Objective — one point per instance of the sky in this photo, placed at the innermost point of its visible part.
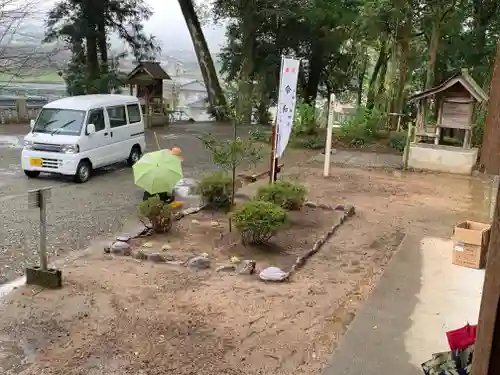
(167, 24)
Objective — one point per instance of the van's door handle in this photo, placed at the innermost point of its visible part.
(105, 133)
(111, 133)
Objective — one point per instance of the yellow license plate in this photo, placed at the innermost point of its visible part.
(34, 162)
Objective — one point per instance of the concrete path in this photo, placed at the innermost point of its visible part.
(360, 159)
(420, 297)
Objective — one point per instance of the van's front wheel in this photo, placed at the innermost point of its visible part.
(32, 174)
(135, 155)
(83, 172)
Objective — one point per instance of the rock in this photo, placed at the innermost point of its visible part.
(147, 245)
(191, 210)
(247, 267)
(141, 230)
(347, 208)
(214, 223)
(120, 248)
(140, 254)
(166, 247)
(156, 258)
(273, 274)
(226, 268)
(124, 238)
(199, 263)
(169, 258)
(194, 221)
(235, 260)
(107, 247)
(204, 255)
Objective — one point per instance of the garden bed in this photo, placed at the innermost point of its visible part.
(121, 315)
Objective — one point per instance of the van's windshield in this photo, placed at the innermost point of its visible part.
(59, 121)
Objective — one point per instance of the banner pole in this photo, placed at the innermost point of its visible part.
(274, 138)
(273, 153)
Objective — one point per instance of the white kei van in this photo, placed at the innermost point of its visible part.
(74, 135)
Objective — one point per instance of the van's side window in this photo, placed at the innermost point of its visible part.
(117, 116)
(134, 114)
(96, 117)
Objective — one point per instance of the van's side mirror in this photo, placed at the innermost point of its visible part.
(90, 129)
(32, 124)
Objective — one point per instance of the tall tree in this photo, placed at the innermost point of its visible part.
(490, 151)
(84, 25)
(215, 94)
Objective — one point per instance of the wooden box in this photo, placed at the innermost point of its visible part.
(470, 244)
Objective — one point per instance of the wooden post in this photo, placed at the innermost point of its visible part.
(329, 131)
(486, 359)
(273, 160)
(406, 151)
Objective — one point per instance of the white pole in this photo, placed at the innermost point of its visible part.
(329, 131)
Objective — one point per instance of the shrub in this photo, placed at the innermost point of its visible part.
(260, 136)
(311, 143)
(397, 140)
(304, 121)
(157, 212)
(363, 127)
(258, 221)
(287, 195)
(215, 190)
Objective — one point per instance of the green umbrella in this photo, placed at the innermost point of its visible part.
(158, 172)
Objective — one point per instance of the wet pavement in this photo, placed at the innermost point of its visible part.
(79, 213)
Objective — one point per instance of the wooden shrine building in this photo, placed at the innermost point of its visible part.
(453, 101)
(147, 81)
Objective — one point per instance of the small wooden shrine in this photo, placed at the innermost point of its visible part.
(454, 102)
(147, 81)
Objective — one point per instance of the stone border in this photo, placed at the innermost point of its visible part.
(188, 211)
(348, 211)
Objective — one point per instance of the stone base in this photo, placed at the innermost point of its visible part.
(50, 278)
(439, 158)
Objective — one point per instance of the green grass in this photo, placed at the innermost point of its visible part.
(46, 77)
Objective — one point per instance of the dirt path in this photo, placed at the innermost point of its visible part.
(118, 315)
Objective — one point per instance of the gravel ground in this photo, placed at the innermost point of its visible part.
(118, 315)
(80, 213)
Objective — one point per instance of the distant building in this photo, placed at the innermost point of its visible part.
(191, 92)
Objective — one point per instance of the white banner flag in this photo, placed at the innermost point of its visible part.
(286, 103)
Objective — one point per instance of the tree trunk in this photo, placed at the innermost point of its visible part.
(404, 72)
(247, 66)
(216, 97)
(102, 42)
(433, 51)
(381, 79)
(490, 150)
(316, 66)
(361, 81)
(486, 359)
(263, 112)
(91, 43)
(382, 58)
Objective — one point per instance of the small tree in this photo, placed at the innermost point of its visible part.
(229, 155)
